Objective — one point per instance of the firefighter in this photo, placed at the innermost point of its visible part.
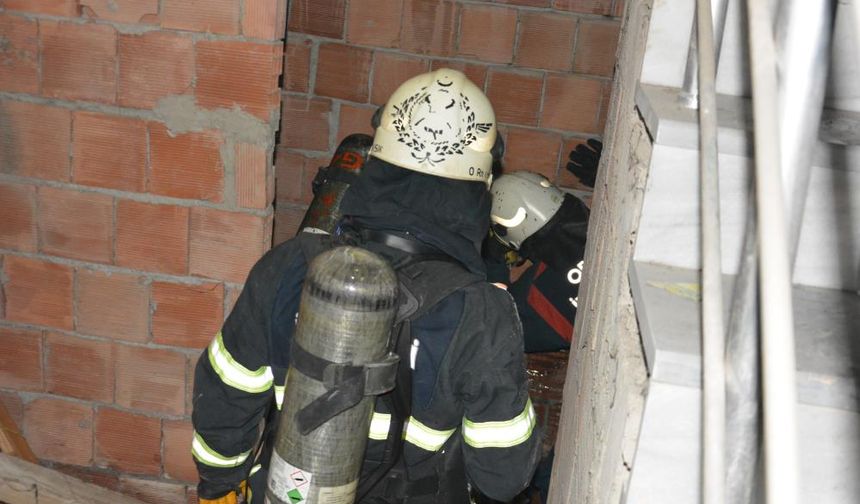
(546, 226)
(460, 414)
(542, 228)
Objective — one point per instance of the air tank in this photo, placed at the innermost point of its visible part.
(347, 308)
(331, 183)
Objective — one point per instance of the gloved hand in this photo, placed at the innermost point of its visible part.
(584, 160)
(236, 496)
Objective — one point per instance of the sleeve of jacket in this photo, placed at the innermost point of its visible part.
(234, 385)
(501, 442)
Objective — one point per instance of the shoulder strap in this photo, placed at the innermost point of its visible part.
(424, 282)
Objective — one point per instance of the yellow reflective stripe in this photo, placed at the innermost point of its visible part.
(234, 374)
(206, 455)
(424, 437)
(379, 425)
(502, 434)
(279, 395)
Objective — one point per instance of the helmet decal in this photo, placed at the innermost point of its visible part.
(436, 123)
(514, 221)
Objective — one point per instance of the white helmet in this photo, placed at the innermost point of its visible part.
(438, 123)
(522, 203)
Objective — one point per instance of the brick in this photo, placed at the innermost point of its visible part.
(78, 367)
(67, 8)
(109, 151)
(38, 292)
(21, 359)
(60, 431)
(19, 55)
(75, 224)
(515, 96)
(392, 70)
(602, 7)
(374, 22)
(13, 404)
(526, 3)
(265, 19)
(546, 41)
(595, 48)
(210, 16)
(190, 366)
(430, 27)
(224, 245)
(152, 492)
(78, 61)
(152, 66)
(354, 119)
(297, 65)
(293, 175)
(476, 25)
(127, 442)
(565, 177)
(122, 11)
(178, 463)
(305, 123)
(191, 494)
(152, 237)
(186, 165)
(112, 305)
(572, 103)
(604, 108)
(18, 225)
(186, 315)
(618, 10)
(232, 295)
(243, 74)
(287, 222)
(343, 72)
(150, 379)
(26, 125)
(317, 17)
(90, 475)
(533, 150)
(252, 176)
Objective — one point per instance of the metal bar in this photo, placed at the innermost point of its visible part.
(742, 375)
(690, 90)
(803, 44)
(713, 330)
(777, 342)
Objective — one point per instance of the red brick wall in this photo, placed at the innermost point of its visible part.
(545, 64)
(136, 180)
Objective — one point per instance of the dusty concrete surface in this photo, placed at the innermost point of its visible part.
(605, 388)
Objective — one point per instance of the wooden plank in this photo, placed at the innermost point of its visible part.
(12, 441)
(24, 483)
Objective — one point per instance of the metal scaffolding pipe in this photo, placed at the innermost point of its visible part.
(713, 330)
(777, 320)
(742, 374)
(690, 90)
(803, 35)
(803, 32)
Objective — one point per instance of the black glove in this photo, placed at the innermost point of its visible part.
(584, 160)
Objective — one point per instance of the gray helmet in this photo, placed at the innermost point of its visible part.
(523, 202)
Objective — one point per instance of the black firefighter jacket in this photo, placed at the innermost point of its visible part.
(469, 387)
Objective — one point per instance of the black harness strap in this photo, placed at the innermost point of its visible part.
(346, 384)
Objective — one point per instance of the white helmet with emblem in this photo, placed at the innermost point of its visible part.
(438, 123)
(523, 202)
